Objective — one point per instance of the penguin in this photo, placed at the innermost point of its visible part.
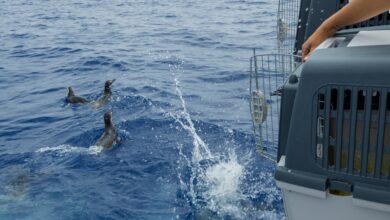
(20, 184)
(106, 94)
(109, 136)
(72, 98)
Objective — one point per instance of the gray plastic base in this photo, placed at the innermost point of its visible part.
(302, 203)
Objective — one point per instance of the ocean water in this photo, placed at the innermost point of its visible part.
(180, 104)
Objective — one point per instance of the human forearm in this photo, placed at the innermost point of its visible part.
(356, 11)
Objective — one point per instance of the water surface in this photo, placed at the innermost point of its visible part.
(180, 103)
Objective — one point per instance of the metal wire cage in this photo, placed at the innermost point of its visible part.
(268, 74)
(287, 24)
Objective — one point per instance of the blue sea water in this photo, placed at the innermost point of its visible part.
(180, 103)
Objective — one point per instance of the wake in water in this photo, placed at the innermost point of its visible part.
(64, 148)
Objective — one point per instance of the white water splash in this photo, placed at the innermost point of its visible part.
(223, 191)
(201, 150)
(218, 181)
(214, 183)
(64, 148)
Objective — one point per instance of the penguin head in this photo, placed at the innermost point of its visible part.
(108, 119)
(70, 91)
(107, 85)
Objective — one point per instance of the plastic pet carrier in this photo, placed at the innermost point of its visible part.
(326, 122)
(334, 140)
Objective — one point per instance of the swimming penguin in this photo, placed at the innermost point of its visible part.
(109, 136)
(20, 184)
(106, 94)
(15, 183)
(72, 98)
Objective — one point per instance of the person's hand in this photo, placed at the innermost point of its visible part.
(321, 34)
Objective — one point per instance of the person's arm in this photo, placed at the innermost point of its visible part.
(354, 12)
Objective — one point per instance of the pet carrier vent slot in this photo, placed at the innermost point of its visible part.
(353, 130)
